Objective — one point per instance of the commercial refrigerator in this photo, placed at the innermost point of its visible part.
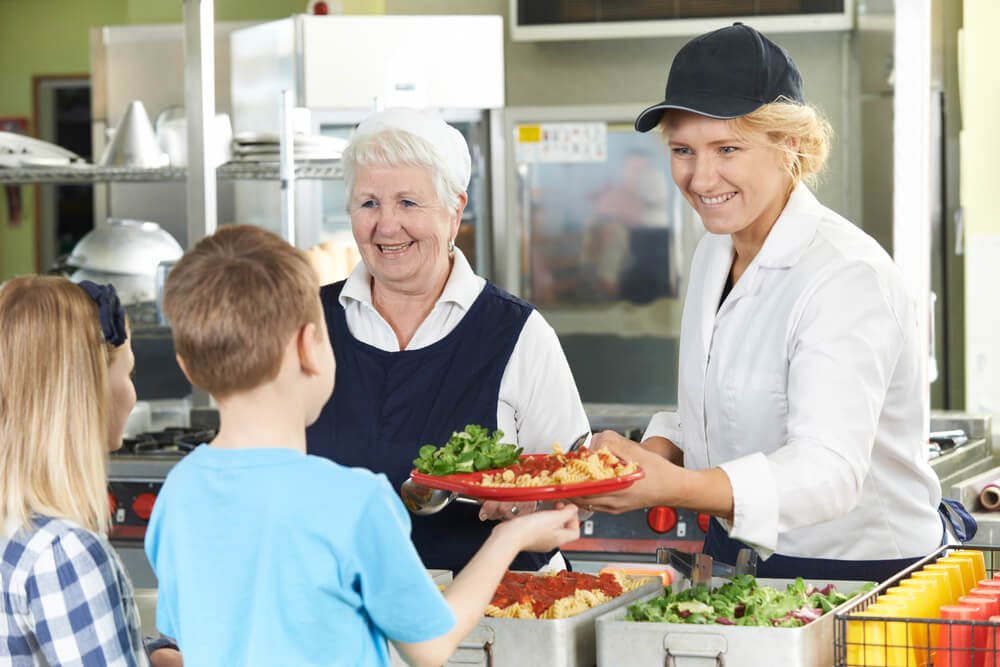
(600, 240)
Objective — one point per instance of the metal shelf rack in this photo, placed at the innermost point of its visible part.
(263, 171)
(269, 171)
(87, 174)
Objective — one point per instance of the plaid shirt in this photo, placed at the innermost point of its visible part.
(66, 600)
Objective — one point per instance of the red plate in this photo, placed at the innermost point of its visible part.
(468, 484)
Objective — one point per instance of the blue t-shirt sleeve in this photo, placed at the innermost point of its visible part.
(398, 592)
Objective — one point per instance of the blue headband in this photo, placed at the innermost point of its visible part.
(110, 310)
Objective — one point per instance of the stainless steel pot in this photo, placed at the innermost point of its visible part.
(126, 254)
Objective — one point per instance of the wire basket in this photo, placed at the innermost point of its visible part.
(867, 639)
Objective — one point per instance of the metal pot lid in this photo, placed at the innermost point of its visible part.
(132, 247)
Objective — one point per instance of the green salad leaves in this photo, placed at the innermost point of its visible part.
(471, 450)
(742, 601)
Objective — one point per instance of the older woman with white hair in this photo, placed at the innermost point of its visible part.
(423, 345)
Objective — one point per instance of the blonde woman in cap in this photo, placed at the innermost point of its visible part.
(799, 424)
(423, 345)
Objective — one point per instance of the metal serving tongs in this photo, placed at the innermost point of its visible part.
(582, 442)
(699, 568)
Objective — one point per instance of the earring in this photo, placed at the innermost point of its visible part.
(451, 246)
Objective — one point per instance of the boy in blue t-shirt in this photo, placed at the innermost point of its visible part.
(266, 555)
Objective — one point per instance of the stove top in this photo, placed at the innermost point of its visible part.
(172, 442)
(150, 456)
(136, 473)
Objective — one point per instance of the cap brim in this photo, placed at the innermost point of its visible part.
(714, 107)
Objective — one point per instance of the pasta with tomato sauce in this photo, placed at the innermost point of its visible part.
(583, 465)
(556, 595)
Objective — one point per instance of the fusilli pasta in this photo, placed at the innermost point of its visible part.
(558, 468)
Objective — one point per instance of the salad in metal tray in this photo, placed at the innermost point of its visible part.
(742, 601)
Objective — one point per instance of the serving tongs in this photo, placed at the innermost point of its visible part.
(699, 568)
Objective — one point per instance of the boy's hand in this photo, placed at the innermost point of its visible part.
(166, 657)
(542, 531)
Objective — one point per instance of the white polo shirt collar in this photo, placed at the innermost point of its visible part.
(462, 288)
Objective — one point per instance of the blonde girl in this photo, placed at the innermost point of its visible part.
(65, 392)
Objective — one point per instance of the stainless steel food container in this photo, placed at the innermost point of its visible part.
(561, 642)
(525, 642)
(441, 577)
(637, 644)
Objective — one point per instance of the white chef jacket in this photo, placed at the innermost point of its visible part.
(539, 404)
(803, 387)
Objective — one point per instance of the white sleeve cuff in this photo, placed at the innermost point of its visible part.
(665, 425)
(755, 503)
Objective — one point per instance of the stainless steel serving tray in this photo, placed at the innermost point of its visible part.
(561, 642)
(637, 644)
(441, 577)
(525, 642)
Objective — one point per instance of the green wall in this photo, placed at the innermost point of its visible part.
(170, 11)
(39, 37)
(51, 37)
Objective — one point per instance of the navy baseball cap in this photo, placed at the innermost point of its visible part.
(726, 73)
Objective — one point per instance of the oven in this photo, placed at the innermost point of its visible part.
(136, 473)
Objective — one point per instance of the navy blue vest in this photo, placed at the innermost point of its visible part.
(723, 548)
(386, 405)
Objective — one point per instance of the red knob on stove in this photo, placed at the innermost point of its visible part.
(703, 520)
(661, 519)
(143, 505)
(112, 503)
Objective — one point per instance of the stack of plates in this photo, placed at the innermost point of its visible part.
(263, 147)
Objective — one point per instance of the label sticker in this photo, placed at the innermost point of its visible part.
(561, 142)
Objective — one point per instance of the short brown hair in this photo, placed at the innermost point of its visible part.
(232, 302)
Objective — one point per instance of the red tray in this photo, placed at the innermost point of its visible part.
(467, 484)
